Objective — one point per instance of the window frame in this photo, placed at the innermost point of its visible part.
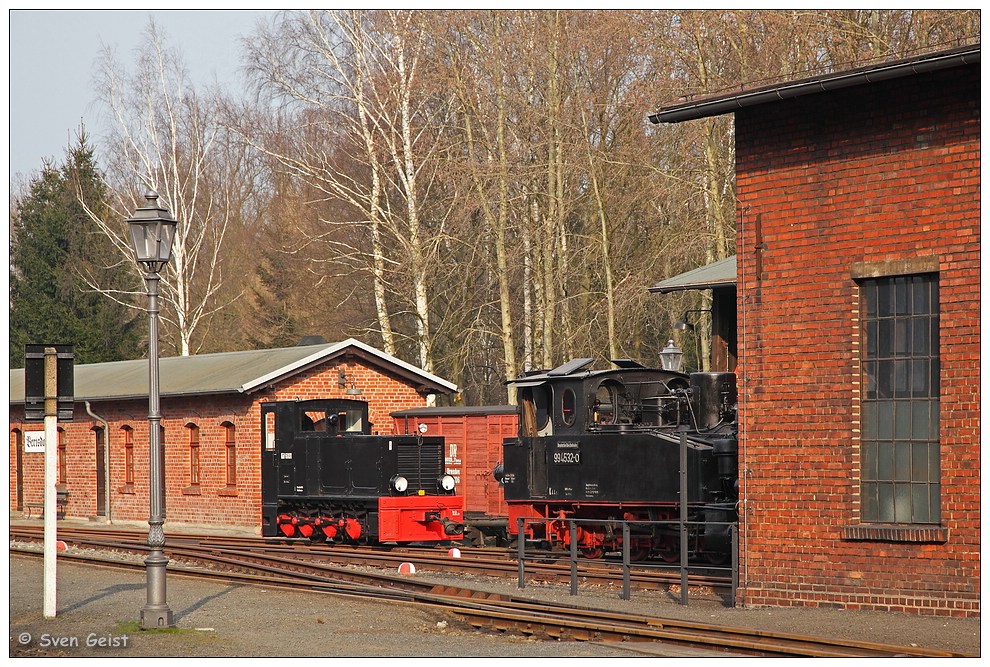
(899, 368)
(195, 472)
(127, 434)
(230, 454)
(62, 456)
(568, 406)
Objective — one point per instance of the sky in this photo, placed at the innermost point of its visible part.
(52, 63)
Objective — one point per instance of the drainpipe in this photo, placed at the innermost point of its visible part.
(106, 458)
(743, 439)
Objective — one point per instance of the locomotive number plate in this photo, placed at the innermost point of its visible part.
(286, 455)
(566, 457)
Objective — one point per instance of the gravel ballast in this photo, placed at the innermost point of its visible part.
(98, 611)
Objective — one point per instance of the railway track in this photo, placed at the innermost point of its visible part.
(473, 561)
(478, 609)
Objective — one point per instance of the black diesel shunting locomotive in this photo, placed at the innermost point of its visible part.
(604, 446)
(325, 476)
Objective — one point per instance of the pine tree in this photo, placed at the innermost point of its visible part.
(279, 325)
(53, 244)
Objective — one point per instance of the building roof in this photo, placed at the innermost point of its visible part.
(225, 372)
(715, 105)
(717, 274)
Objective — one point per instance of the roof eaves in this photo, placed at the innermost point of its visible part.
(691, 286)
(721, 104)
(134, 397)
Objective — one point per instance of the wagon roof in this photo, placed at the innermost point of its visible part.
(457, 411)
(240, 372)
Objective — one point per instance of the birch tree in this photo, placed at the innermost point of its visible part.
(165, 138)
(475, 59)
(358, 73)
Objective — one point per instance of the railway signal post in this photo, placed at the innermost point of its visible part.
(48, 397)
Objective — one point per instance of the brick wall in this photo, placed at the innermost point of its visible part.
(884, 176)
(213, 502)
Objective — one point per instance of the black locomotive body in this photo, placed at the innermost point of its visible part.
(325, 476)
(605, 446)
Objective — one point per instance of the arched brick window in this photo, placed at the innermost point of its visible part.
(19, 470)
(62, 456)
(230, 454)
(193, 431)
(127, 433)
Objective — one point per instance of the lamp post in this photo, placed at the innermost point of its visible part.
(152, 229)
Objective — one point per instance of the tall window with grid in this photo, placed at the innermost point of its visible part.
(900, 401)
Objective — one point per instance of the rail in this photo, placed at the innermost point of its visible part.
(536, 618)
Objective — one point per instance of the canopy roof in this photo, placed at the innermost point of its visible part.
(717, 274)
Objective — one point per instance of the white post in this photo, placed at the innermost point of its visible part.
(51, 477)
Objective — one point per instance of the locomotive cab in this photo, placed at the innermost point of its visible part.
(570, 400)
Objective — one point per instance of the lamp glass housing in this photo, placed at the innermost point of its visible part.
(152, 232)
(670, 357)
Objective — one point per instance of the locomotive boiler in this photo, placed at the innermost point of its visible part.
(603, 446)
(324, 476)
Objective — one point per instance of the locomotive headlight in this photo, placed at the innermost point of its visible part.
(400, 483)
(447, 483)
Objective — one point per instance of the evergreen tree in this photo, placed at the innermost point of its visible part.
(279, 326)
(53, 245)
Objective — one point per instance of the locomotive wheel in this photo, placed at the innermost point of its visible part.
(717, 558)
(593, 553)
(669, 553)
(639, 553)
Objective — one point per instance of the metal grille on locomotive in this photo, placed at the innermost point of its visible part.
(421, 464)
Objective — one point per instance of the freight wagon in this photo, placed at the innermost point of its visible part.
(473, 439)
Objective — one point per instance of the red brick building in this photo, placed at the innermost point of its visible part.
(858, 223)
(211, 419)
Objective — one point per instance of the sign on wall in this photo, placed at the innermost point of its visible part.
(34, 441)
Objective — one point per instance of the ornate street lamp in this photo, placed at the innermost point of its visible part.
(670, 357)
(152, 229)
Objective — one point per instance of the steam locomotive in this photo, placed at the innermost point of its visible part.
(604, 446)
(324, 476)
